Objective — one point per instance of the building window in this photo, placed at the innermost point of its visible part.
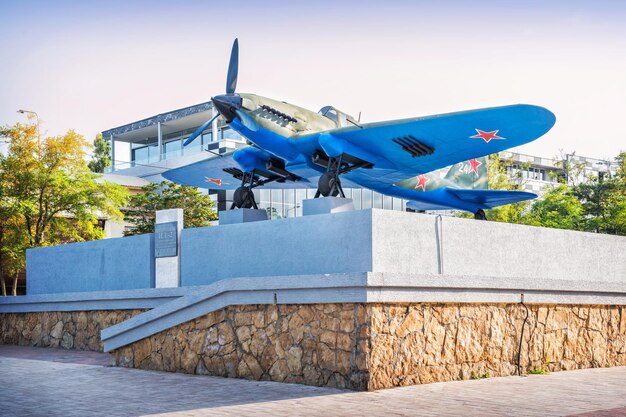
(145, 155)
(140, 155)
(356, 198)
(366, 199)
(377, 200)
(173, 149)
(300, 195)
(229, 133)
(277, 204)
(290, 203)
(387, 202)
(398, 204)
(264, 199)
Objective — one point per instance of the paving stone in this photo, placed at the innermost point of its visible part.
(73, 383)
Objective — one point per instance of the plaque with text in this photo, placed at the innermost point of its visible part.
(165, 240)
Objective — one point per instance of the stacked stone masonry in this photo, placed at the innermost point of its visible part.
(374, 346)
(78, 330)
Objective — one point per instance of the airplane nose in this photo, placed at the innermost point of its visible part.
(227, 105)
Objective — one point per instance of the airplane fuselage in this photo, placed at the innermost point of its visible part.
(276, 125)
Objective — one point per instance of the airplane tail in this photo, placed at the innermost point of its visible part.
(470, 174)
(459, 199)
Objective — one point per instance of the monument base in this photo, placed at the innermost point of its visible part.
(326, 205)
(365, 299)
(242, 215)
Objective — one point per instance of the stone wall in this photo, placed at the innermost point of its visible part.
(422, 343)
(323, 344)
(66, 329)
(373, 346)
(355, 346)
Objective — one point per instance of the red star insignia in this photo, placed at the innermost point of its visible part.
(214, 181)
(487, 136)
(421, 182)
(474, 164)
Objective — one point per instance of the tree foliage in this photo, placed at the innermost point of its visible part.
(198, 207)
(49, 196)
(558, 208)
(101, 157)
(603, 200)
(572, 172)
(575, 202)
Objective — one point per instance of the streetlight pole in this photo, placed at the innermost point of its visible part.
(295, 206)
(22, 111)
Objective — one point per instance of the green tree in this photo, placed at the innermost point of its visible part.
(579, 202)
(49, 196)
(198, 207)
(101, 157)
(603, 200)
(572, 172)
(8, 244)
(558, 208)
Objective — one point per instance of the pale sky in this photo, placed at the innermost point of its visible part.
(93, 65)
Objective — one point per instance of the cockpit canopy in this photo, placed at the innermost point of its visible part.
(340, 118)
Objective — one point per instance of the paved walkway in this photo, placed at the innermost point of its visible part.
(52, 382)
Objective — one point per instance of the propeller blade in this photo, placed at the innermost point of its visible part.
(199, 130)
(233, 69)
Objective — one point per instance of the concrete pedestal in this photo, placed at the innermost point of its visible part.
(326, 205)
(241, 216)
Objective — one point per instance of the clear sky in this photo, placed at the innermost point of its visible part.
(93, 65)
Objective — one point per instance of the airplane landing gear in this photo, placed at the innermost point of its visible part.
(329, 183)
(243, 196)
(480, 215)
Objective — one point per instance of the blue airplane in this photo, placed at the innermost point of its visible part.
(292, 147)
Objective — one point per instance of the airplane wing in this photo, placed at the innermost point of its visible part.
(222, 173)
(410, 147)
(397, 149)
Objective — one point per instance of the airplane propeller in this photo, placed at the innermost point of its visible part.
(200, 130)
(233, 69)
(228, 104)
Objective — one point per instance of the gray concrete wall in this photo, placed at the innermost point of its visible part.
(358, 241)
(103, 265)
(323, 244)
(411, 243)
(397, 242)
